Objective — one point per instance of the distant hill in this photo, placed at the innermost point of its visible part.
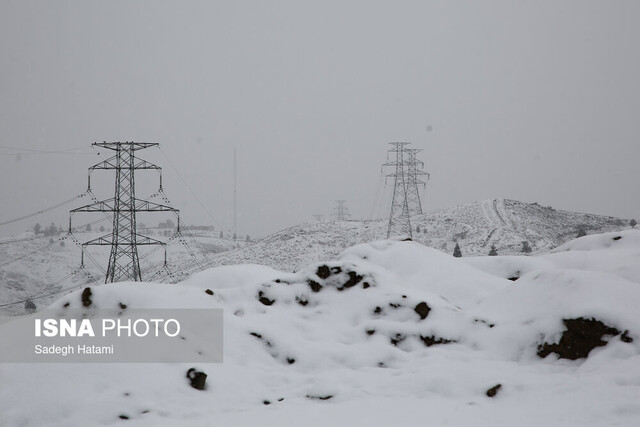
(506, 224)
(475, 226)
(31, 266)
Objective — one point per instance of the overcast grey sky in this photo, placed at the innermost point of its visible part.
(529, 100)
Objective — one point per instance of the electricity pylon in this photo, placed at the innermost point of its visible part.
(340, 212)
(414, 170)
(124, 262)
(399, 218)
(406, 197)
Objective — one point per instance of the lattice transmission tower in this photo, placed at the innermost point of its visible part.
(124, 261)
(414, 172)
(405, 201)
(340, 212)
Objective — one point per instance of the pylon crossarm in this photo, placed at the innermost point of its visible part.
(145, 240)
(110, 163)
(143, 164)
(101, 206)
(105, 240)
(133, 146)
(147, 206)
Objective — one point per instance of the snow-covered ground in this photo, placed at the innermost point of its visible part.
(36, 266)
(388, 333)
(476, 227)
(47, 266)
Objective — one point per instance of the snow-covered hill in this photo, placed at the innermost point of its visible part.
(475, 226)
(35, 266)
(386, 333)
(506, 224)
(44, 266)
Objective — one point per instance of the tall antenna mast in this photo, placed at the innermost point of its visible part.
(235, 212)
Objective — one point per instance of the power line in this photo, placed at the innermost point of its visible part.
(26, 151)
(41, 211)
(191, 191)
(21, 257)
(68, 276)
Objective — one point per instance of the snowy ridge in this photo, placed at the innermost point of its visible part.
(39, 265)
(506, 224)
(475, 226)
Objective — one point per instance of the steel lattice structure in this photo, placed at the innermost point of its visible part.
(405, 201)
(124, 262)
(414, 171)
(340, 212)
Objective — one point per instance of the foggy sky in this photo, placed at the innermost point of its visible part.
(531, 100)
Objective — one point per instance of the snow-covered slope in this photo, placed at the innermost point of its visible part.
(506, 224)
(34, 266)
(297, 247)
(386, 333)
(44, 266)
(475, 226)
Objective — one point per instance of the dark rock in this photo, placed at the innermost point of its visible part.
(123, 417)
(397, 339)
(354, 279)
(314, 397)
(209, 292)
(86, 297)
(302, 302)
(259, 336)
(625, 337)
(264, 300)
(365, 285)
(371, 331)
(581, 336)
(197, 379)
(315, 286)
(122, 306)
(432, 340)
(377, 310)
(494, 390)
(281, 399)
(617, 238)
(323, 272)
(66, 304)
(394, 305)
(422, 309)
(266, 402)
(491, 325)
(514, 278)
(336, 270)
(291, 360)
